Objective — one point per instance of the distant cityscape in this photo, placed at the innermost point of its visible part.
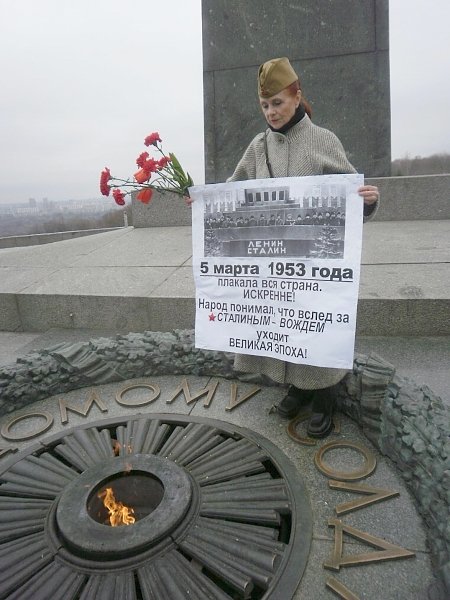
(45, 207)
(49, 216)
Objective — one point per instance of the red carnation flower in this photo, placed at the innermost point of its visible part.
(140, 161)
(145, 195)
(152, 139)
(150, 165)
(165, 170)
(162, 162)
(104, 178)
(119, 197)
(142, 176)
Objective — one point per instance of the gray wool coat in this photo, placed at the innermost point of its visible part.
(305, 149)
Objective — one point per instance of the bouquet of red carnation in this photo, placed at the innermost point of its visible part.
(168, 176)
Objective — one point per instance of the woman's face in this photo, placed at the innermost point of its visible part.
(279, 109)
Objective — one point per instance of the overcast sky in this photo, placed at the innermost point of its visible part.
(84, 81)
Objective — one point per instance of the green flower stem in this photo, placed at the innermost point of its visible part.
(171, 178)
(164, 177)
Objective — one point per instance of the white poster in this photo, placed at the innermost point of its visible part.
(276, 267)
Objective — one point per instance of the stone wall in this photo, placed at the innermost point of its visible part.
(413, 198)
(340, 50)
(165, 210)
(417, 197)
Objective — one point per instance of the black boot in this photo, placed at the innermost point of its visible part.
(293, 402)
(321, 422)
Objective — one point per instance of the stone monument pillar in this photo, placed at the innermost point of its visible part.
(339, 48)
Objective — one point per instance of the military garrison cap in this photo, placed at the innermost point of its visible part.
(275, 75)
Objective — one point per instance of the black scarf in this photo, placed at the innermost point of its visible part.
(298, 116)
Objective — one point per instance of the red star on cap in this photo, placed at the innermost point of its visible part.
(212, 317)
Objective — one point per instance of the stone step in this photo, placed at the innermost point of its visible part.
(138, 279)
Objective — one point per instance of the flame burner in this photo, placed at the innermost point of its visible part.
(220, 514)
(139, 492)
(79, 521)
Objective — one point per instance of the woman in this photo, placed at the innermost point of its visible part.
(293, 146)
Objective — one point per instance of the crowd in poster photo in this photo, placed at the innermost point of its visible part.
(227, 220)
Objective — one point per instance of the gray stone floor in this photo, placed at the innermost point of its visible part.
(142, 279)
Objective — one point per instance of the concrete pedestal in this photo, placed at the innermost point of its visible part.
(340, 51)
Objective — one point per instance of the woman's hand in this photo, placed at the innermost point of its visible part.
(188, 200)
(369, 193)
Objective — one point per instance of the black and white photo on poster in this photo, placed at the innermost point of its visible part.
(276, 267)
(272, 220)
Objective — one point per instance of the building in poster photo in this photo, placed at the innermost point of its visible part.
(271, 221)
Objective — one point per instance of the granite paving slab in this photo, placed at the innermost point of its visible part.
(102, 281)
(179, 284)
(66, 252)
(156, 246)
(405, 281)
(14, 280)
(415, 242)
